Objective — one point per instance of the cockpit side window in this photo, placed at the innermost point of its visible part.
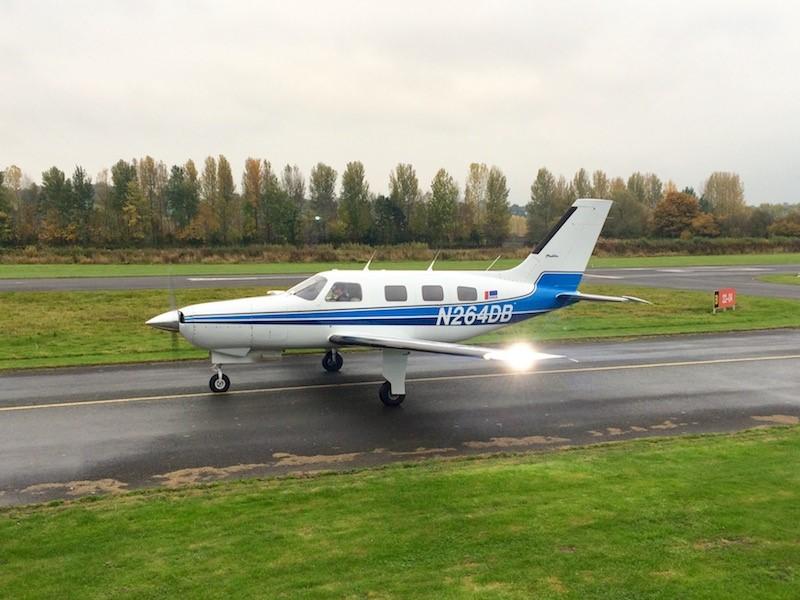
(309, 289)
(343, 291)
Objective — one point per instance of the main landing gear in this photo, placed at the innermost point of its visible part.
(219, 382)
(332, 361)
(393, 390)
(388, 398)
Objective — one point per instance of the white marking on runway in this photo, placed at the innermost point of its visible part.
(323, 386)
(603, 276)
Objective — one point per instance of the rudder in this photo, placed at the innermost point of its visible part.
(568, 246)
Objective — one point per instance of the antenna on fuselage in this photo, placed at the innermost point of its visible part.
(430, 266)
(489, 268)
(369, 262)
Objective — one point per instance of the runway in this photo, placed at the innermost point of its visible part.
(70, 432)
(743, 278)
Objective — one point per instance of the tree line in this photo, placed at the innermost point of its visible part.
(143, 203)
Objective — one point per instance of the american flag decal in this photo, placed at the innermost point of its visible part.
(489, 294)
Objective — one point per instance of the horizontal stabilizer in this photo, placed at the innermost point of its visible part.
(598, 298)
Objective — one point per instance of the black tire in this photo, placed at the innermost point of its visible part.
(388, 398)
(332, 363)
(219, 385)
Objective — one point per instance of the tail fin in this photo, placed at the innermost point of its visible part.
(569, 244)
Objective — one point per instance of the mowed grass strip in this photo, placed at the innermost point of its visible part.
(49, 329)
(28, 271)
(784, 278)
(704, 517)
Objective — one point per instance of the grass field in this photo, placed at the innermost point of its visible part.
(703, 517)
(25, 271)
(786, 278)
(48, 329)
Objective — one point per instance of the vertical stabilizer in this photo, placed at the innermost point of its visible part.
(568, 245)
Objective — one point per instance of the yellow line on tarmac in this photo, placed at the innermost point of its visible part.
(322, 386)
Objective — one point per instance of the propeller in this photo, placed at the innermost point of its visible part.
(172, 306)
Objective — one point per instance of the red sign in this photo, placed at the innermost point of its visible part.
(725, 298)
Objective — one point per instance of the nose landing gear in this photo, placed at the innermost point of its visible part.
(219, 382)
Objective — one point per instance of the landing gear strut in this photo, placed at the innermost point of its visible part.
(219, 382)
(332, 361)
(393, 390)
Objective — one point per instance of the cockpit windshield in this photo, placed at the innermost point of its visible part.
(308, 289)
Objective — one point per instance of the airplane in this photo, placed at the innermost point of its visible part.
(399, 312)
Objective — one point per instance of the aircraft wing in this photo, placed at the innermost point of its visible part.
(515, 354)
(598, 298)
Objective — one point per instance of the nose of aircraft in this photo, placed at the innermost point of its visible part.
(168, 321)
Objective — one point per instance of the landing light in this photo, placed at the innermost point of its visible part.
(519, 357)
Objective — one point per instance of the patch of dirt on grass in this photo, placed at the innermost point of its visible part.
(665, 425)
(284, 459)
(417, 452)
(511, 442)
(193, 475)
(79, 488)
(778, 419)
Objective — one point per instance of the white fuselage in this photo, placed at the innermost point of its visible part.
(446, 306)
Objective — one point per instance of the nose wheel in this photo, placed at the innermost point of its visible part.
(219, 383)
(332, 361)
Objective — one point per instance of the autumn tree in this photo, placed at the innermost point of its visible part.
(354, 209)
(582, 184)
(404, 192)
(627, 217)
(543, 209)
(498, 213)
(601, 187)
(443, 209)
(724, 194)
(322, 191)
(788, 226)
(82, 203)
(388, 220)
(674, 214)
(251, 198)
(473, 214)
(135, 211)
(228, 215)
(13, 186)
(122, 173)
(705, 225)
(6, 229)
(182, 198)
(758, 221)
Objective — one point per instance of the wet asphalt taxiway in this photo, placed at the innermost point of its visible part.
(69, 432)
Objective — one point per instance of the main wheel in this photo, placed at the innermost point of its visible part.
(332, 362)
(219, 384)
(388, 398)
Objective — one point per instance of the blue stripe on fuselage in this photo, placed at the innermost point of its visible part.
(541, 299)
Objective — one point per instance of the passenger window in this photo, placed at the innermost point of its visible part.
(395, 293)
(467, 294)
(344, 292)
(432, 293)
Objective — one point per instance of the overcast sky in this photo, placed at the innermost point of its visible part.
(676, 88)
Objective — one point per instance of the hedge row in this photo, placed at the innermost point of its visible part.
(360, 252)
